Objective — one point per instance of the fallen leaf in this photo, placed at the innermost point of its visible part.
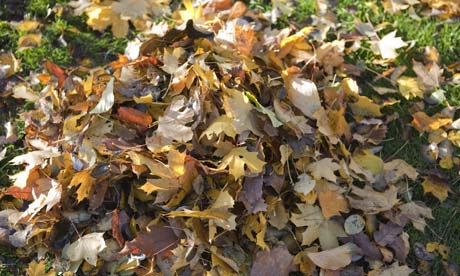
(133, 116)
(327, 231)
(387, 45)
(107, 99)
(424, 123)
(85, 248)
(387, 233)
(324, 168)
(410, 87)
(238, 158)
(303, 94)
(39, 269)
(416, 212)
(437, 187)
(372, 202)
(276, 261)
(305, 184)
(157, 239)
(336, 258)
(252, 195)
(332, 203)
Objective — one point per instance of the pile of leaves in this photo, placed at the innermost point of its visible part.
(224, 145)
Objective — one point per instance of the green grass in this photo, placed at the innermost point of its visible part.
(445, 37)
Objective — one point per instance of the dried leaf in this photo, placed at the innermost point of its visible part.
(336, 258)
(303, 94)
(324, 168)
(238, 158)
(372, 202)
(107, 99)
(85, 248)
(277, 261)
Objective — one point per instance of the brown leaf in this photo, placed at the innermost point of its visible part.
(157, 239)
(251, 195)
(276, 261)
(387, 233)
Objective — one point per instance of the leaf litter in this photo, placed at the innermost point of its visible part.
(224, 146)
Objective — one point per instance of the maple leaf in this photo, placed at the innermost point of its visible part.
(372, 202)
(332, 203)
(158, 239)
(238, 158)
(85, 183)
(39, 269)
(172, 126)
(222, 124)
(417, 213)
(49, 200)
(410, 87)
(437, 187)
(324, 168)
(102, 16)
(85, 248)
(276, 261)
(319, 227)
(238, 107)
(386, 47)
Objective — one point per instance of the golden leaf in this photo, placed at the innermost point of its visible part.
(238, 158)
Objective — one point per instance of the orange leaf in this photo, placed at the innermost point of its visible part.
(133, 116)
(332, 203)
(122, 60)
(424, 123)
(56, 71)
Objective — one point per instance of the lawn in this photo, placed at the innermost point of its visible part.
(70, 43)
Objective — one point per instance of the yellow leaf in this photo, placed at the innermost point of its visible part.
(100, 17)
(240, 157)
(8, 65)
(85, 181)
(338, 122)
(29, 41)
(256, 224)
(39, 269)
(369, 161)
(436, 187)
(365, 107)
(424, 123)
(238, 107)
(222, 124)
(409, 87)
